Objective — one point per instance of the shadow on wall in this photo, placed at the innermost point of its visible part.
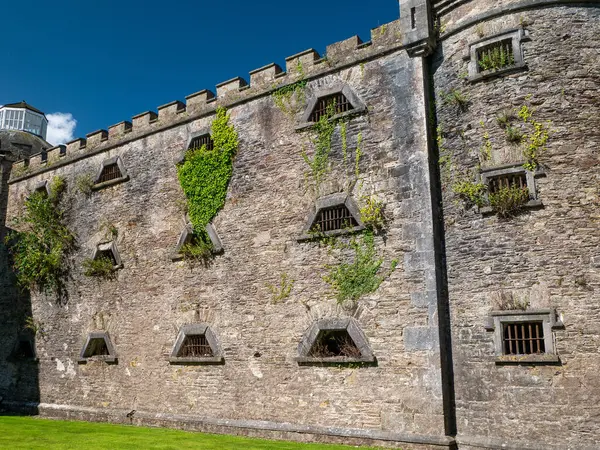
(19, 366)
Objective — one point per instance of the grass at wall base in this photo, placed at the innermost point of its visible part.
(34, 433)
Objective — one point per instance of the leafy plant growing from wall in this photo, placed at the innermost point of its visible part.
(508, 201)
(362, 273)
(40, 250)
(283, 290)
(204, 177)
(283, 96)
(102, 267)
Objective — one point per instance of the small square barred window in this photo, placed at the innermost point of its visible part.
(195, 346)
(338, 102)
(109, 172)
(336, 217)
(199, 141)
(510, 180)
(523, 338)
(96, 347)
(496, 55)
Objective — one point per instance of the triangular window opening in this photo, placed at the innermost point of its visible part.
(199, 141)
(335, 103)
(106, 254)
(333, 218)
(42, 190)
(24, 349)
(96, 347)
(195, 346)
(332, 343)
(109, 172)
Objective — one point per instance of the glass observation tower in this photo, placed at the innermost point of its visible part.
(23, 117)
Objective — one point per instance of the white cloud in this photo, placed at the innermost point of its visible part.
(61, 127)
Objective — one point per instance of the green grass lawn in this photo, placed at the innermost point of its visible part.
(36, 433)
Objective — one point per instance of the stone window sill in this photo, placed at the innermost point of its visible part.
(208, 360)
(106, 359)
(309, 237)
(308, 360)
(527, 359)
(106, 184)
(345, 115)
(486, 75)
(531, 204)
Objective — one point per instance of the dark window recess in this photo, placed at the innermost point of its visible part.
(496, 55)
(518, 180)
(110, 172)
(199, 141)
(334, 218)
(44, 156)
(25, 349)
(96, 347)
(331, 343)
(338, 102)
(42, 190)
(107, 254)
(523, 338)
(195, 346)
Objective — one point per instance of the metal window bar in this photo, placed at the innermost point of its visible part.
(339, 102)
(523, 338)
(195, 346)
(96, 347)
(334, 218)
(109, 172)
(518, 180)
(199, 141)
(493, 51)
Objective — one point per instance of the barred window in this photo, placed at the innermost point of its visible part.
(337, 217)
(195, 346)
(496, 55)
(523, 338)
(109, 172)
(509, 180)
(199, 141)
(331, 104)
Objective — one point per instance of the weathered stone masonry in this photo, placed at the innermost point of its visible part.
(436, 382)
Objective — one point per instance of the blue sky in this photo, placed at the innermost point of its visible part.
(104, 62)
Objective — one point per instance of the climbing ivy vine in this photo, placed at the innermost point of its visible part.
(40, 250)
(204, 177)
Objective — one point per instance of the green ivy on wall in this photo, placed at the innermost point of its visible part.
(39, 252)
(204, 175)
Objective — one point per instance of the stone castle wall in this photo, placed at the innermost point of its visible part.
(266, 209)
(435, 377)
(547, 256)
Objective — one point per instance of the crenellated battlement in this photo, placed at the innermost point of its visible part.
(263, 81)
